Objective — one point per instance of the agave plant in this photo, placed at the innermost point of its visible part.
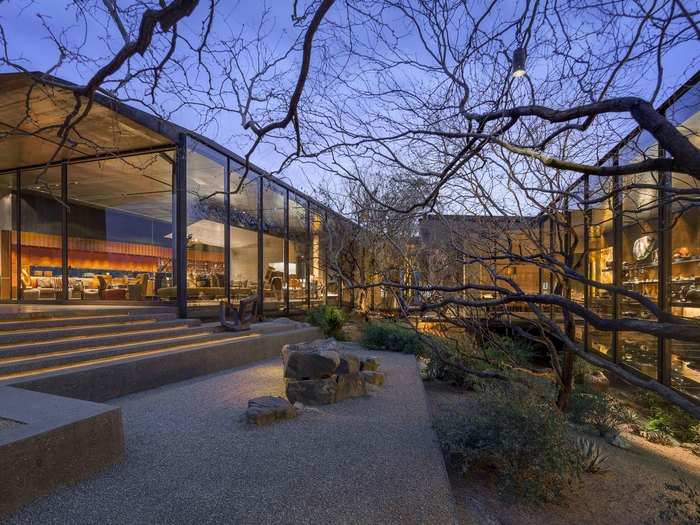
(592, 458)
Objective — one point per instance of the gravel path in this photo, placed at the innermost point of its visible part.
(190, 458)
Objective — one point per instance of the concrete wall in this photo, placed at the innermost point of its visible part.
(61, 441)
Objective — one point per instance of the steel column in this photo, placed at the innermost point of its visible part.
(286, 251)
(261, 247)
(64, 232)
(180, 226)
(227, 230)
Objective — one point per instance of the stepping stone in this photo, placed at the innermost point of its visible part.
(268, 409)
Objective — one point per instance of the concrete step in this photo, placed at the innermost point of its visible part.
(215, 342)
(106, 378)
(133, 324)
(10, 366)
(148, 333)
(26, 312)
(94, 320)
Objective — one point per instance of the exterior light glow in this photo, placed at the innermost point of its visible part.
(519, 57)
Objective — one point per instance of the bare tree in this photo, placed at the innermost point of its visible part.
(395, 94)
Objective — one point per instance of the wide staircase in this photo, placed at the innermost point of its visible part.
(44, 348)
(54, 341)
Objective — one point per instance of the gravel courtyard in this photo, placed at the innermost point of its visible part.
(191, 458)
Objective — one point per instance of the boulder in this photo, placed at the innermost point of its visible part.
(268, 409)
(350, 385)
(596, 381)
(349, 364)
(372, 377)
(312, 391)
(311, 365)
(370, 363)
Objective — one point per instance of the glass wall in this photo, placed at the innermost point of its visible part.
(318, 256)
(274, 260)
(243, 205)
(8, 237)
(104, 230)
(684, 257)
(41, 223)
(640, 255)
(298, 254)
(601, 258)
(120, 229)
(206, 219)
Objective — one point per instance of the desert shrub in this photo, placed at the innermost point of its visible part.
(667, 418)
(581, 368)
(602, 411)
(392, 337)
(516, 436)
(678, 504)
(330, 319)
(509, 351)
(592, 458)
(441, 354)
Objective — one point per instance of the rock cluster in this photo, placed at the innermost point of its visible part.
(321, 372)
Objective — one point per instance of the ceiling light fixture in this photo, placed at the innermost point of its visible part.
(519, 58)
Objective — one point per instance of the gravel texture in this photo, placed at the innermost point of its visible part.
(191, 458)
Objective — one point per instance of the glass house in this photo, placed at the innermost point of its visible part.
(132, 208)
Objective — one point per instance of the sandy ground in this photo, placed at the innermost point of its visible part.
(191, 458)
(625, 495)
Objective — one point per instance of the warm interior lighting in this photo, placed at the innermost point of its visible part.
(519, 57)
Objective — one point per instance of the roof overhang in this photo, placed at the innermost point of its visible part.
(33, 109)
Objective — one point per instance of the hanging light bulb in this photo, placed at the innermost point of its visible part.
(519, 57)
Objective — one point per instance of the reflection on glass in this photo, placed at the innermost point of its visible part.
(298, 253)
(640, 255)
(685, 251)
(318, 273)
(206, 216)
(120, 229)
(244, 233)
(274, 284)
(600, 259)
(41, 212)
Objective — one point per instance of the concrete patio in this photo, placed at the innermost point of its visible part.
(190, 458)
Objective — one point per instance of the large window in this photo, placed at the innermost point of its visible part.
(601, 258)
(8, 237)
(298, 254)
(243, 188)
(640, 255)
(120, 229)
(685, 251)
(318, 258)
(41, 251)
(274, 261)
(206, 219)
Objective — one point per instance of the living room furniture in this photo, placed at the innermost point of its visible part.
(137, 291)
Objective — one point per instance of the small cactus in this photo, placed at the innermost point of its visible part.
(592, 458)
